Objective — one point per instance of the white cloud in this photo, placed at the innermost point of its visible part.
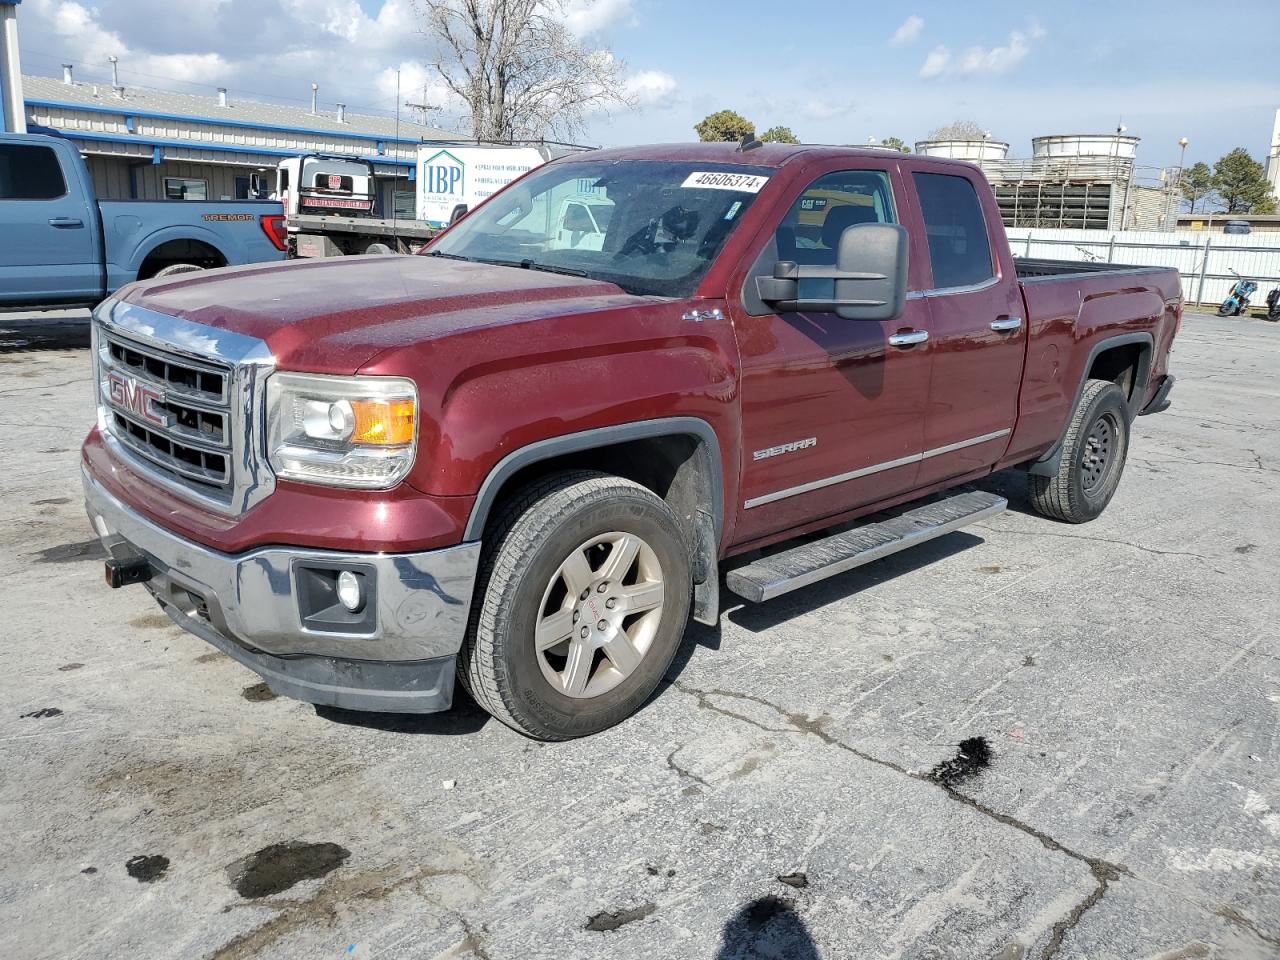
(585, 17)
(826, 109)
(651, 88)
(936, 63)
(351, 48)
(997, 59)
(909, 32)
(983, 61)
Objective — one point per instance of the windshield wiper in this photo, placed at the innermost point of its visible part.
(551, 268)
(448, 256)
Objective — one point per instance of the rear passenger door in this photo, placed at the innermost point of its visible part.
(50, 250)
(977, 330)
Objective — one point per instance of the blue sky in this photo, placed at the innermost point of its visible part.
(832, 71)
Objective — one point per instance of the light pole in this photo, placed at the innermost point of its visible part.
(1182, 156)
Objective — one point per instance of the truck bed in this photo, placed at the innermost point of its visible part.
(1031, 269)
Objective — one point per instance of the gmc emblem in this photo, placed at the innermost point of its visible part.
(129, 394)
(335, 182)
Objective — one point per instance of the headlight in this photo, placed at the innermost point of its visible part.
(341, 431)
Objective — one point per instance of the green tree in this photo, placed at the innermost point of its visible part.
(779, 135)
(1241, 184)
(1197, 185)
(895, 143)
(724, 125)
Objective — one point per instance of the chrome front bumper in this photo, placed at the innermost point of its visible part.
(247, 605)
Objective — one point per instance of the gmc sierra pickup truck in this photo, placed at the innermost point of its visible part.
(61, 246)
(523, 458)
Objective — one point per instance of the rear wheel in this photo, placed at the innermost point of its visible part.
(582, 600)
(1092, 457)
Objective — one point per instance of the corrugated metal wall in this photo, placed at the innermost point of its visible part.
(1254, 257)
(111, 178)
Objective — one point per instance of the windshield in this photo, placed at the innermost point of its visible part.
(651, 227)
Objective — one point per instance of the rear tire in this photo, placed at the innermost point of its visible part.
(581, 602)
(176, 268)
(1091, 460)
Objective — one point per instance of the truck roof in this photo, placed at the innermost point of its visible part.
(766, 155)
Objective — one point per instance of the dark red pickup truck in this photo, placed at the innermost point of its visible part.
(524, 455)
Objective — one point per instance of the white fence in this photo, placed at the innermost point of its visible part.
(1204, 260)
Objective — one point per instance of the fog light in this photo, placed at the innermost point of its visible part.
(350, 593)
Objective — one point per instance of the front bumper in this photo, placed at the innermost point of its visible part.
(248, 606)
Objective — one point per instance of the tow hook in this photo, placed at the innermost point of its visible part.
(121, 573)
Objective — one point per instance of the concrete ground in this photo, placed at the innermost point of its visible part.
(157, 802)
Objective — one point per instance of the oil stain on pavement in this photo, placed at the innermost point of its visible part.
(608, 920)
(277, 867)
(972, 757)
(147, 868)
(73, 552)
(258, 693)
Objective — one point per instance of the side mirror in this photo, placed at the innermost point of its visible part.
(459, 212)
(869, 278)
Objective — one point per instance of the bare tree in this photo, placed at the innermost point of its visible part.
(517, 68)
(960, 130)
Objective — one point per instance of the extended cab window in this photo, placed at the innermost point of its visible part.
(30, 173)
(650, 226)
(810, 232)
(959, 249)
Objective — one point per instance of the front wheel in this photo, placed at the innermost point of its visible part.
(1091, 460)
(582, 600)
(1224, 309)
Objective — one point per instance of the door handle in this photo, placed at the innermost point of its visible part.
(908, 338)
(65, 222)
(1005, 324)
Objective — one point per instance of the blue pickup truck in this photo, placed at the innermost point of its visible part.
(61, 246)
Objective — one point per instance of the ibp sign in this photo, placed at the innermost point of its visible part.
(466, 175)
(442, 184)
(445, 177)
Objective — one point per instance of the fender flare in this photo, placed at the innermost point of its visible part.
(1047, 463)
(551, 447)
(148, 244)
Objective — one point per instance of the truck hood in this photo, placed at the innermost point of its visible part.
(334, 316)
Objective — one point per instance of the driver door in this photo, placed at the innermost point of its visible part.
(833, 409)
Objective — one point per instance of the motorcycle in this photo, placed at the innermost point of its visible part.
(1273, 304)
(1237, 301)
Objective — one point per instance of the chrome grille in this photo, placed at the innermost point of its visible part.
(180, 400)
(171, 411)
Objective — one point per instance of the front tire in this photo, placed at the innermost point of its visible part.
(1092, 457)
(581, 603)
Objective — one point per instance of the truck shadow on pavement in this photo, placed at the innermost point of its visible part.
(758, 618)
(462, 719)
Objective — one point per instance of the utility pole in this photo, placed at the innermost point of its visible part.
(1182, 156)
(12, 109)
